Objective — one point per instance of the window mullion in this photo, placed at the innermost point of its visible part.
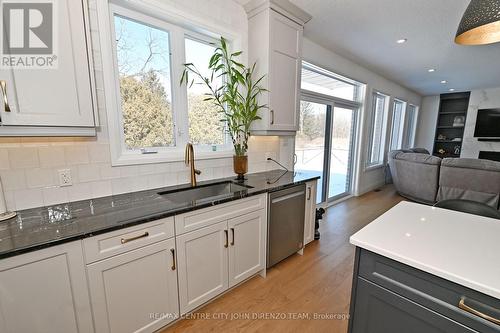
(179, 103)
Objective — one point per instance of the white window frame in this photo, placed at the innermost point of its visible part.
(401, 124)
(177, 34)
(319, 70)
(409, 140)
(381, 160)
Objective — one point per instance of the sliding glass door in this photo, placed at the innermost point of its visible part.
(341, 153)
(310, 140)
(324, 145)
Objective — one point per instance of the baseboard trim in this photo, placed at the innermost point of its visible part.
(370, 188)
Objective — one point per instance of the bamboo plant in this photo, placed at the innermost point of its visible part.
(236, 97)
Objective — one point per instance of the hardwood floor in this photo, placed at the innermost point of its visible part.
(319, 282)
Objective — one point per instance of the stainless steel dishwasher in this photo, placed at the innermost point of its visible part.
(285, 228)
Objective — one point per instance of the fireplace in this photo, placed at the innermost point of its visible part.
(490, 155)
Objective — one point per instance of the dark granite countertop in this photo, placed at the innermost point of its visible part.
(42, 227)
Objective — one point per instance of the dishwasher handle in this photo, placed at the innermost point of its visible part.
(288, 196)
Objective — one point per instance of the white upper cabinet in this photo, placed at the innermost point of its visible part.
(59, 96)
(275, 43)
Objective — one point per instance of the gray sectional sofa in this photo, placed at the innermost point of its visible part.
(428, 179)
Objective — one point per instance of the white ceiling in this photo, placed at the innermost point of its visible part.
(366, 31)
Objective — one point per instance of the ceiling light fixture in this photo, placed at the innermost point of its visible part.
(402, 40)
(480, 24)
(432, 70)
(444, 82)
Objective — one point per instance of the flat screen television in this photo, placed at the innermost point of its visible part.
(488, 124)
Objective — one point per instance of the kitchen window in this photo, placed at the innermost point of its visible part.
(153, 116)
(144, 76)
(377, 130)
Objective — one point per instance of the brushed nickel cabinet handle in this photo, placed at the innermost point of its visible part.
(232, 234)
(126, 240)
(308, 193)
(3, 85)
(227, 238)
(172, 251)
(272, 117)
(467, 308)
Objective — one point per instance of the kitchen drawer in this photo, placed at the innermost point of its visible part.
(204, 217)
(112, 243)
(430, 291)
(379, 310)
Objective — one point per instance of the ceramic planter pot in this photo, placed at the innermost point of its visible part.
(240, 166)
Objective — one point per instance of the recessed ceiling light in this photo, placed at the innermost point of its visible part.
(431, 70)
(444, 82)
(451, 89)
(402, 40)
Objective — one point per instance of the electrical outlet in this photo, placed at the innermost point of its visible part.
(65, 177)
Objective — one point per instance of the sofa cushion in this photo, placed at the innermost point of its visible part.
(470, 179)
(415, 175)
(420, 151)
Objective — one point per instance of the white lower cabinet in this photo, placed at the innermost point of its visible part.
(310, 218)
(247, 246)
(137, 279)
(202, 261)
(45, 292)
(135, 291)
(215, 258)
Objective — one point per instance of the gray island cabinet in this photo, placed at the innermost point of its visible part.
(408, 276)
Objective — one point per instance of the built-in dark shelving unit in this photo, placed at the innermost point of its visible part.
(452, 107)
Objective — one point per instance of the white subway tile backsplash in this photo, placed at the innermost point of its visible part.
(129, 171)
(183, 177)
(55, 195)
(148, 169)
(79, 191)
(99, 153)
(10, 200)
(76, 154)
(13, 179)
(23, 157)
(4, 159)
(101, 189)
(109, 172)
(156, 181)
(52, 156)
(40, 178)
(28, 198)
(88, 173)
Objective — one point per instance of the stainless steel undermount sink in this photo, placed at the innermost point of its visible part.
(203, 192)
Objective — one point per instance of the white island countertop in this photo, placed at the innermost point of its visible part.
(455, 246)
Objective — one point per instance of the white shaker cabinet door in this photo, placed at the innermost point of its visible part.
(135, 291)
(284, 72)
(60, 96)
(202, 262)
(45, 291)
(247, 246)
